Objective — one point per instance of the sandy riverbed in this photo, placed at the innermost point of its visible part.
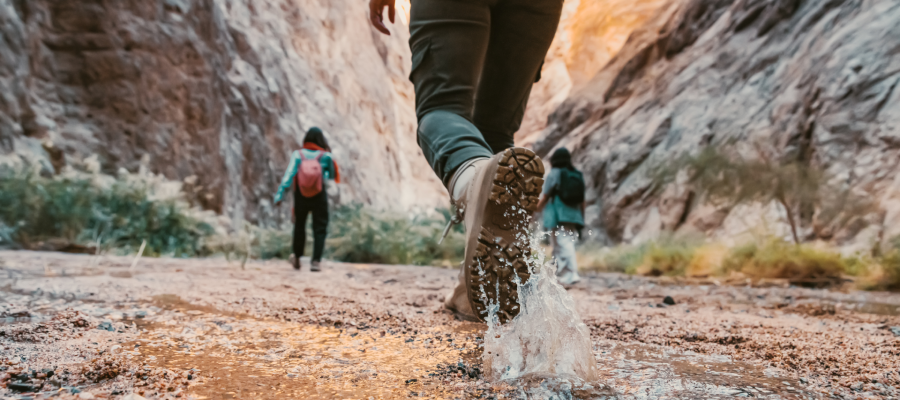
(81, 327)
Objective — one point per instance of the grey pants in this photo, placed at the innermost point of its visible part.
(474, 63)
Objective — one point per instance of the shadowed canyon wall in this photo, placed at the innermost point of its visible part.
(220, 90)
(814, 80)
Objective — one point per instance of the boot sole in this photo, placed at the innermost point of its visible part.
(503, 243)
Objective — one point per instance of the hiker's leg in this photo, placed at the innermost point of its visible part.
(301, 210)
(564, 252)
(320, 225)
(449, 40)
(556, 249)
(521, 34)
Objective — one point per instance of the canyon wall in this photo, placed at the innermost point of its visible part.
(590, 33)
(217, 91)
(814, 81)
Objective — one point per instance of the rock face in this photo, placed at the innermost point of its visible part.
(590, 33)
(815, 81)
(218, 89)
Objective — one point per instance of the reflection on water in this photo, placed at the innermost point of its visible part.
(247, 358)
(648, 372)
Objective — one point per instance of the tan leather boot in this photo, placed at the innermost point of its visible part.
(496, 207)
(458, 301)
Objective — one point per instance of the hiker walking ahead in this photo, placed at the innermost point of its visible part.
(308, 170)
(563, 205)
(473, 65)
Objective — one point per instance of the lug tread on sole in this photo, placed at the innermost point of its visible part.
(517, 185)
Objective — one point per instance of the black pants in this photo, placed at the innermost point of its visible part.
(303, 206)
(473, 65)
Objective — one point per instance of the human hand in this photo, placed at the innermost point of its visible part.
(376, 14)
(277, 203)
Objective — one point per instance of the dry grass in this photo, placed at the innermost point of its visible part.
(772, 259)
(802, 265)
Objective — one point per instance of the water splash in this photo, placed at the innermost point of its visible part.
(547, 340)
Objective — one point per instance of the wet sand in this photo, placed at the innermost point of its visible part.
(208, 329)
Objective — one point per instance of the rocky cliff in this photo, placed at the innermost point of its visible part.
(217, 91)
(813, 80)
(590, 33)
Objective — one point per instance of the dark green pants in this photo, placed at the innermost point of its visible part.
(474, 62)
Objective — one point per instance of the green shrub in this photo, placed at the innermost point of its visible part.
(80, 209)
(357, 234)
(890, 276)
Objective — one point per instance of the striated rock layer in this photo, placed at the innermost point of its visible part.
(218, 89)
(813, 80)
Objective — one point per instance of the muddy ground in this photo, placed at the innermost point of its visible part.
(92, 327)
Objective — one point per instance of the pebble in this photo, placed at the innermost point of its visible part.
(669, 301)
(21, 387)
(106, 325)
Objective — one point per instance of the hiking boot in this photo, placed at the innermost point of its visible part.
(458, 301)
(496, 205)
(315, 266)
(295, 262)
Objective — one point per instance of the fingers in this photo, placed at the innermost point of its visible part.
(376, 8)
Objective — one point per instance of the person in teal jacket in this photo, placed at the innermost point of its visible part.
(314, 145)
(564, 220)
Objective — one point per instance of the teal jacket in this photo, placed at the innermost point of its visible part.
(329, 171)
(557, 212)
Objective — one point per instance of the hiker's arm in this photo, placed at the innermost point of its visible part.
(549, 185)
(329, 169)
(288, 177)
(376, 14)
(543, 203)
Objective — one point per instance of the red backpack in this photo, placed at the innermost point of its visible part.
(309, 177)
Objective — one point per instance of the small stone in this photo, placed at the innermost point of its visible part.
(106, 325)
(413, 380)
(21, 387)
(86, 396)
(669, 301)
(895, 330)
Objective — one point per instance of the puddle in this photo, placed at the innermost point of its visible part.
(17, 320)
(271, 359)
(175, 302)
(645, 372)
(871, 308)
(248, 358)
(121, 274)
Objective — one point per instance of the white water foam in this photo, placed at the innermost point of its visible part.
(547, 340)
